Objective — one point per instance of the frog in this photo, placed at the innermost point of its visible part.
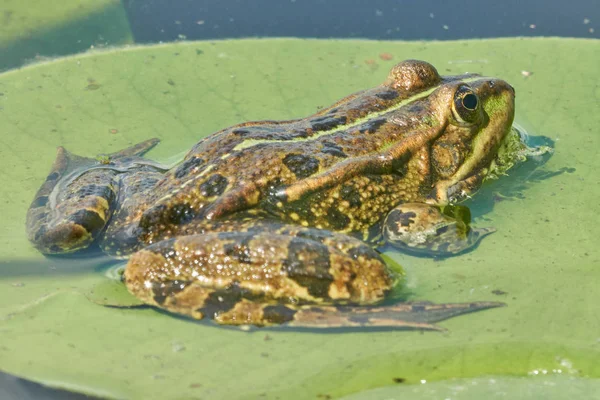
(279, 222)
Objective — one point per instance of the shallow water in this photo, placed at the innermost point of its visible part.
(543, 261)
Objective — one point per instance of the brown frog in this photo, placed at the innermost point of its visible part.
(273, 222)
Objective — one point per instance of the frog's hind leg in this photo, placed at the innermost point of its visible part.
(300, 276)
(76, 200)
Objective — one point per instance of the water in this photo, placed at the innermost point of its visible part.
(543, 261)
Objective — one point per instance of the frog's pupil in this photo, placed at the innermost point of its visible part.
(470, 101)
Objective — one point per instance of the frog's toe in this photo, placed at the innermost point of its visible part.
(137, 150)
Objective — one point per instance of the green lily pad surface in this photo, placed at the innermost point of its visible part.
(543, 262)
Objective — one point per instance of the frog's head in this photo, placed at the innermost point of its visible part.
(467, 118)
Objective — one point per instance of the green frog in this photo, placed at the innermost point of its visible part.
(274, 222)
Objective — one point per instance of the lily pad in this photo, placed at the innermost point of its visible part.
(38, 29)
(549, 387)
(542, 262)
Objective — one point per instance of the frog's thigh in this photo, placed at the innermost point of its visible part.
(256, 278)
(425, 229)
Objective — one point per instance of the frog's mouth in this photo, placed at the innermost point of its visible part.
(512, 151)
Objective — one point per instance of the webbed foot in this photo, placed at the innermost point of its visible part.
(421, 315)
(76, 200)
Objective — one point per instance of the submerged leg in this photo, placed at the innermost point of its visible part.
(300, 276)
(432, 230)
(74, 203)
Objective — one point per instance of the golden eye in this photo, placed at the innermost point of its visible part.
(465, 107)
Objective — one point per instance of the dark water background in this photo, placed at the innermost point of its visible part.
(165, 20)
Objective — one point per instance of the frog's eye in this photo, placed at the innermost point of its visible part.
(466, 105)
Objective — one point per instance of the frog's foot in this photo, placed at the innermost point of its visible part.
(431, 230)
(74, 203)
(420, 315)
(300, 276)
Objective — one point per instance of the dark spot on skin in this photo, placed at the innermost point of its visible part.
(399, 380)
(152, 217)
(103, 191)
(238, 251)
(165, 289)
(265, 133)
(240, 132)
(399, 165)
(308, 264)
(224, 299)
(418, 107)
(180, 214)
(301, 165)
(336, 219)
(52, 176)
(365, 252)
(278, 136)
(387, 95)
(351, 195)
(273, 186)
(214, 186)
(187, 166)
(372, 126)
(278, 314)
(326, 123)
(90, 220)
(333, 149)
(442, 230)
(40, 201)
(296, 133)
(404, 218)
(499, 292)
(418, 308)
(318, 235)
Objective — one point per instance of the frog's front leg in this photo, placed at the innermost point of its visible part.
(301, 276)
(426, 229)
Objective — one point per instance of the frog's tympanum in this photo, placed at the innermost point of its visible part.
(275, 222)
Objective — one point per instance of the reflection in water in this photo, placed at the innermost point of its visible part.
(88, 261)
